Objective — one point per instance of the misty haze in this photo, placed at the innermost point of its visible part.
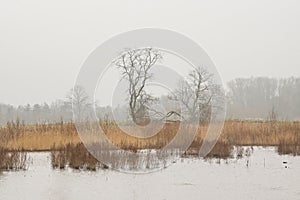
(149, 100)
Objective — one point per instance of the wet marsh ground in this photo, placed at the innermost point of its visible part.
(259, 176)
(45, 137)
(66, 149)
(251, 160)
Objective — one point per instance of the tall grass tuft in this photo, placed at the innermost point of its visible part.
(12, 160)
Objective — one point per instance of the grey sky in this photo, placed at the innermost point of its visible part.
(42, 45)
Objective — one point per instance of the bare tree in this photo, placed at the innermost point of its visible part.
(196, 94)
(79, 100)
(272, 115)
(135, 65)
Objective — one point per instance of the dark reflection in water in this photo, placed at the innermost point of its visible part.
(77, 157)
(287, 149)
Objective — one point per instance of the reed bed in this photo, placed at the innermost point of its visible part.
(221, 150)
(261, 133)
(284, 135)
(14, 160)
(39, 137)
(77, 157)
(48, 137)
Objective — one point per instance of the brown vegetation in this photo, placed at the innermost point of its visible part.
(74, 156)
(259, 133)
(12, 160)
(45, 137)
(67, 149)
(38, 137)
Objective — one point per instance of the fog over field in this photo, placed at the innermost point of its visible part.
(148, 99)
(253, 98)
(43, 45)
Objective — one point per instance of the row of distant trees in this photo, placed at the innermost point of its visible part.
(195, 95)
(60, 110)
(265, 98)
(199, 97)
(34, 113)
(247, 98)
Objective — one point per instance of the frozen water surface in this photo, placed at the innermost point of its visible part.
(266, 177)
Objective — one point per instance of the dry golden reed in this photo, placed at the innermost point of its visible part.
(45, 137)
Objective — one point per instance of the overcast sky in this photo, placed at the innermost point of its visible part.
(42, 45)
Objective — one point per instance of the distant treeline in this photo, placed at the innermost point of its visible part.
(60, 110)
(265, 98)
(36, 113)
(248, 98)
